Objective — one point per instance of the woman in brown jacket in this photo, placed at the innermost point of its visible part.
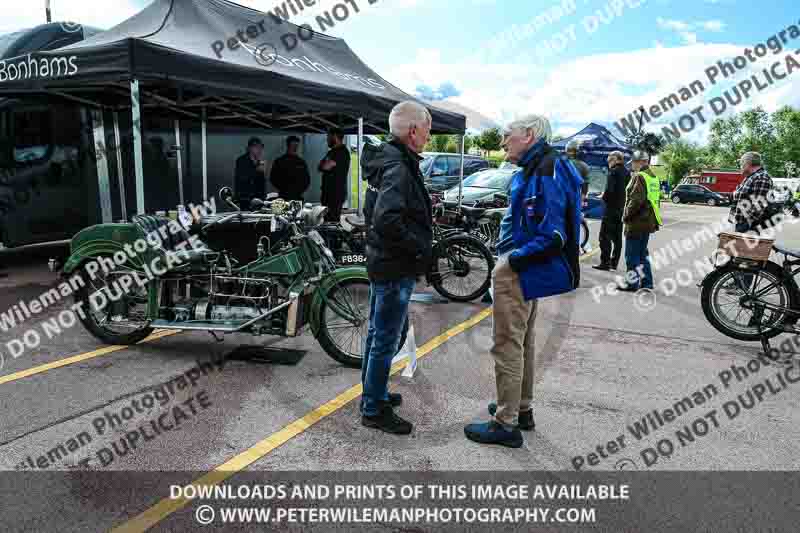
(641, 218)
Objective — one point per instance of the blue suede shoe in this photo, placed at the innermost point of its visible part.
(494, 433)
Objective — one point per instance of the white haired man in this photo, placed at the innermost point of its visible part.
(538, 257)
(399, 239)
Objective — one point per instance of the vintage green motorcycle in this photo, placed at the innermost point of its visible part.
(265, 272)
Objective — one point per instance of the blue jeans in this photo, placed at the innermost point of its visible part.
(637, 258)
(388, 310)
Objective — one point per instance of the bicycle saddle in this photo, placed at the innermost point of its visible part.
(473, 212)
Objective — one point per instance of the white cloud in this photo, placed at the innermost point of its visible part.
(599, 88)
(713, 25)
(674, 25)
(687, 31)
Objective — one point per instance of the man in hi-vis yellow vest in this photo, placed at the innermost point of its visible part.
(641, 217)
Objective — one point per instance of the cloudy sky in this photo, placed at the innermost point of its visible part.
(575, 60)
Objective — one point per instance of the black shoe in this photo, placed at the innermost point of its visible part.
(494, 433)
(524, 419)
(629, 288)
(386, 420)
(395, 399)
(601, 267)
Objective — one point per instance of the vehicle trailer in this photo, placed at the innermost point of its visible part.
(723, 182)
(61, 171)
(48, 187)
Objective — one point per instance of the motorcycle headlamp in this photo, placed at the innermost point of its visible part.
(279, 206)
(313, 216)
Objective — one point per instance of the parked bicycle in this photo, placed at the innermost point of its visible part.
(750, 297)
(483, 220)
(461, 269)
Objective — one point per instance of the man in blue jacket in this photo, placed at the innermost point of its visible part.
(537, 257)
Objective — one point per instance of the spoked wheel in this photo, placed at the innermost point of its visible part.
(740, 302)
(344, 322)
(462, 268)
(584, 233)
(111, 312)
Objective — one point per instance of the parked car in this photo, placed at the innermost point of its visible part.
(695, 194)
(441, 171)
(481, 186)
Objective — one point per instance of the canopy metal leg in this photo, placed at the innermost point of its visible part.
(137, 146)
(360, 148)
(203, 136)
(461, 176)
(121, 176)
(101, 159)
(179, 159)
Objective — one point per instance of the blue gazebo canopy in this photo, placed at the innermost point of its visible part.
(596, 143)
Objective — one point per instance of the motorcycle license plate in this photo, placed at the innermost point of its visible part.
(353, 259)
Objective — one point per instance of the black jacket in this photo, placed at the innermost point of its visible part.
(334, 181)
(398, 212)
(614, 195)
(290, 176)
(248, 182)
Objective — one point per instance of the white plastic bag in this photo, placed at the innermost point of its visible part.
(409, 350)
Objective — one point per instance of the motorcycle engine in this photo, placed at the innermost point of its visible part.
(230, 298)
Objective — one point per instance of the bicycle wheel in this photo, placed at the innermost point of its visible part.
(740, 302)
(462, 268)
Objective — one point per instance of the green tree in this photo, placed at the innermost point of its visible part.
(469, 142)
(651, 143)
(490, 140)
(439, 143)
(681, 158)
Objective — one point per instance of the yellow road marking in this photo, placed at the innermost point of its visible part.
(78, 358)
(167, 506)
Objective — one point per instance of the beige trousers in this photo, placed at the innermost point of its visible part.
(513, 346)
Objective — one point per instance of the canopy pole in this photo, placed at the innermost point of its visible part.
(121, 176)
(360, 148)
(461, 176)
(101, 160)
(179, 158)
(137, 146)
(203, 135)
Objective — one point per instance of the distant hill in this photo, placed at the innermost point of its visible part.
(475, 121)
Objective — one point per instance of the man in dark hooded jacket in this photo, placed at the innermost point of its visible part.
(399, 241)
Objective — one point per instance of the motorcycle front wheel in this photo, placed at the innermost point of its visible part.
(344, 337)
(733, 301)
(462, 268)
(111, 313)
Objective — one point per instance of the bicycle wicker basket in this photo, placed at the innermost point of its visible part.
(745, 246)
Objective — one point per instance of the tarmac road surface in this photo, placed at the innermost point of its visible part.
(603, 364)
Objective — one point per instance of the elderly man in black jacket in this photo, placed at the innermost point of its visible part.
(399, 243)
(611, 226)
